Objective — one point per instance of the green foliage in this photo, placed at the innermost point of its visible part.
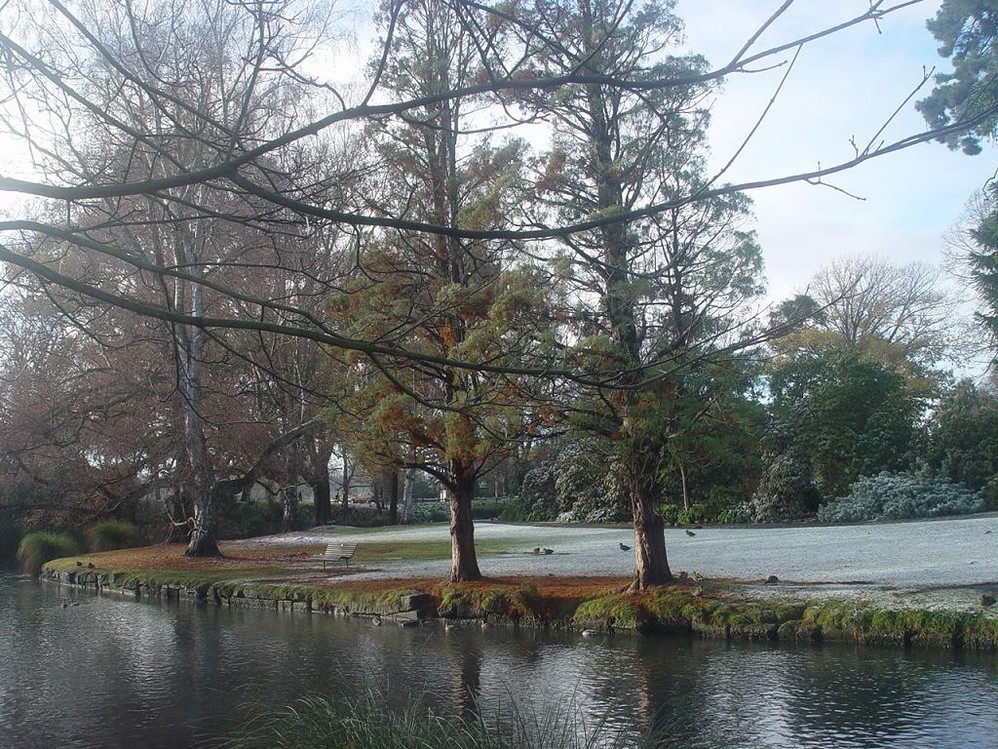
(538, 493)
(787, 491)
(109, 535)
(717, 457)
(896, 496)
(434, 511)
(721, 507)
(487, 509)
(250, 518)
(579, 483)
(735, 514)
(984, 266)
(966, 30)
(670, 513)
(845, 415)
(961, 438)
(39, 547)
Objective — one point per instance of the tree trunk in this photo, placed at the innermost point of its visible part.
(292, 492)
(408, 495)
(204, 534)
(464, 561)
(177, 514)
(393, 497)
(322, 497)
(345, 486)
(651, 565)
(686, 496)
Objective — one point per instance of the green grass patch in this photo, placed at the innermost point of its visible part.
(979, 632)
(619, 611)
(492, 599)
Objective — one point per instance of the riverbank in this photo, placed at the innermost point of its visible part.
(384, 582)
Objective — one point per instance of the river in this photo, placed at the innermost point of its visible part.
(81, 670)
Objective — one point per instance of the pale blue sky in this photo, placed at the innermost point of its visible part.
(844, 86)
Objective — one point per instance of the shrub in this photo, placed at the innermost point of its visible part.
(434, 511)
(670, 513)
(578, 484)
(537, 500)
(787, 491)
(39, 547)
(486, 509)
(250, 518)
(113, 534)
(735, 514)
(897, 496)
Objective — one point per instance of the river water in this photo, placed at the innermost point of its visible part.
(80, 670)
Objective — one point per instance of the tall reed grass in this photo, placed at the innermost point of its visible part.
(109, 535)
(321, 722)
(40, 547)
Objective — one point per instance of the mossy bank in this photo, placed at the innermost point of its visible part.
(284, 579)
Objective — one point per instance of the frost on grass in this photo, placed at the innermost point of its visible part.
(899, 496)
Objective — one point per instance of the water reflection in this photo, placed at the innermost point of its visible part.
(110, 672)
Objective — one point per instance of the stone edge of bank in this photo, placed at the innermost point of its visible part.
(706, 611)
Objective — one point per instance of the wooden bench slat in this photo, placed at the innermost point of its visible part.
(337, 552)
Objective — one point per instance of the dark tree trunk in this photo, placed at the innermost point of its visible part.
(289, 518)
(393, 497)
(651, 564)
(292, 492)
(619, 305)
(323, 500)
(204, 534)
(464, 561)
(345, 486)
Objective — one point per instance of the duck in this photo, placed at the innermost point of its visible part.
(548, 551)
(624, 547)
(589, 633)
(376, 621)
(689, 532)
(537, 550)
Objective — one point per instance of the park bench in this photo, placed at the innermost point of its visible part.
(337, 552)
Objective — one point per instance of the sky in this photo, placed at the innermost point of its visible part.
(842, 87)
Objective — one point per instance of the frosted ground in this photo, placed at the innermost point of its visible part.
(935, 562)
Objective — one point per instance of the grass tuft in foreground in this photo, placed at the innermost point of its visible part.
(320, 722)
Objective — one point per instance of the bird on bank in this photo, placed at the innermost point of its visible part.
(690, 533)
(624, 547)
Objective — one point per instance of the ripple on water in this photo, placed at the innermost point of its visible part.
(111, 672)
